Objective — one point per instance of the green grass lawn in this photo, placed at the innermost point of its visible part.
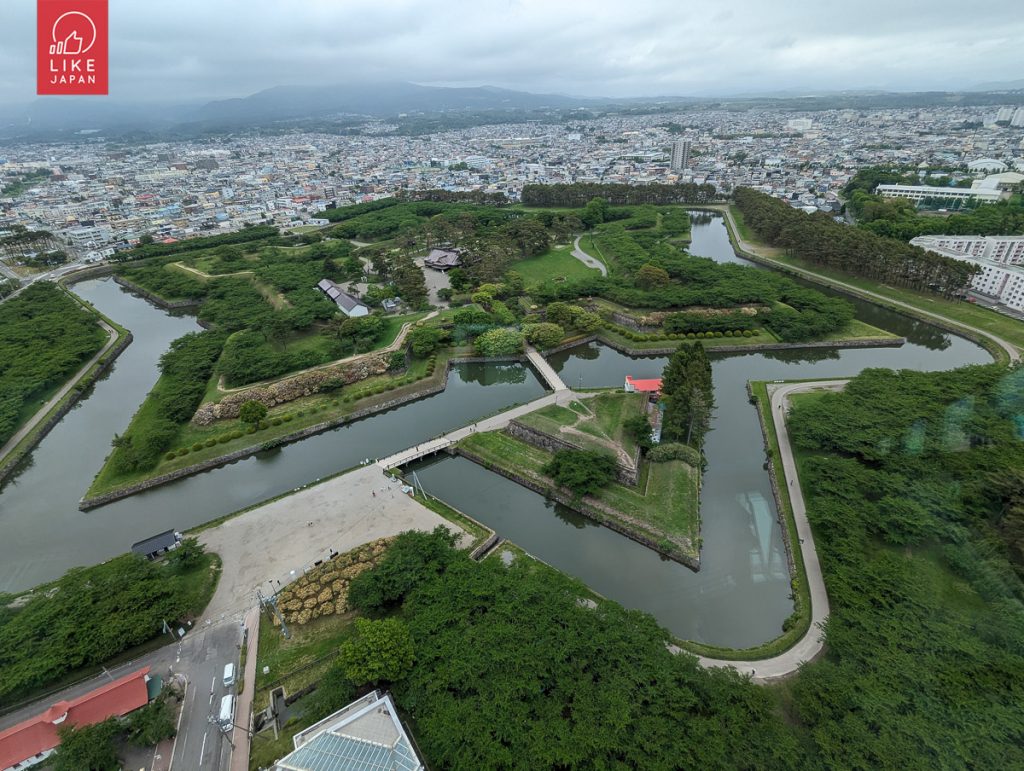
(300, 660)
(859, 330)
(596, 422)
(556, 264)
(664, 506)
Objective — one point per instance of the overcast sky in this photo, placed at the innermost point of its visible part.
(198, 49)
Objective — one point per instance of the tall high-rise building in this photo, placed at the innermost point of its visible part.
(680, 154)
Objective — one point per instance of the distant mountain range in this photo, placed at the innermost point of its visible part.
(285, 106)
(283, 103)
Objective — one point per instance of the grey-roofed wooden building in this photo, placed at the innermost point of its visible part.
(158, 544)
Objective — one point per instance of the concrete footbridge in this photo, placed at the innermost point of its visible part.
(493, 423)
(545, 370)
(561, 395)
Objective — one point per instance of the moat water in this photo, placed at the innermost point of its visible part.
(739, 598)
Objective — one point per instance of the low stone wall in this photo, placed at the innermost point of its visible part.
(292, 388)
(571, 344)
(170, 305)
(102, 366)
(591, 509)
(429, 389)
(96, 271)
(530, 435)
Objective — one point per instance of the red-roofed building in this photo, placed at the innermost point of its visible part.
(27, 743)
(652, 386)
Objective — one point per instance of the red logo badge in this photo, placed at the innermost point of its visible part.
(71, 50)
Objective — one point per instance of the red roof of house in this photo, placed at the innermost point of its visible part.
(644, 385)
(39, 734)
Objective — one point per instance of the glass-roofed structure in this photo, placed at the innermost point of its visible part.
(364, 736)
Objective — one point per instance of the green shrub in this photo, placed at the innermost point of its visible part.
(728, 333)
(275, 421)
(236, 434)
(690, 335)
(223, 438)
(251, 430)
(672, 451)
(171, 455)
(299, 413)
(183, 452)
(747, 333)
(263, 425)
(197, 447)
(211, 441)
(718, 334)
(287, 417)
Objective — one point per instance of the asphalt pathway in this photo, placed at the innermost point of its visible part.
(586, 259)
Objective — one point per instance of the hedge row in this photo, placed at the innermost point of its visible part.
(654, 336)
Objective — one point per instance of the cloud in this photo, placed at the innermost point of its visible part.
(197, 49)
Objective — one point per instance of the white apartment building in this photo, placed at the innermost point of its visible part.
(921, 192)
(1008, 250)
(1003, 280)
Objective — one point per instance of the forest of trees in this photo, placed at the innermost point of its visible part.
(511, 671)
(899, 218)
(916, 497)
(151, 249)
(689, 396)
(580, 193)
(45, 336)
(820, 240)
(185, 369)
(92, 614)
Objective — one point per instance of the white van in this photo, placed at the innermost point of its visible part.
(229, 675)
(227, 712)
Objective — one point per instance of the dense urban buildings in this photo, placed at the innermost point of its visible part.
(100, 197)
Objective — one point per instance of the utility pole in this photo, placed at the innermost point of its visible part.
(271, 604)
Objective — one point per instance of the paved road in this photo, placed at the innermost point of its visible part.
(586, 259)
(1012, 350)
(810, 645)
(201, 745)
(200, 657)
(42, 411)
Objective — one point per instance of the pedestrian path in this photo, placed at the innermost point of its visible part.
(546, 371)
(586, 259)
